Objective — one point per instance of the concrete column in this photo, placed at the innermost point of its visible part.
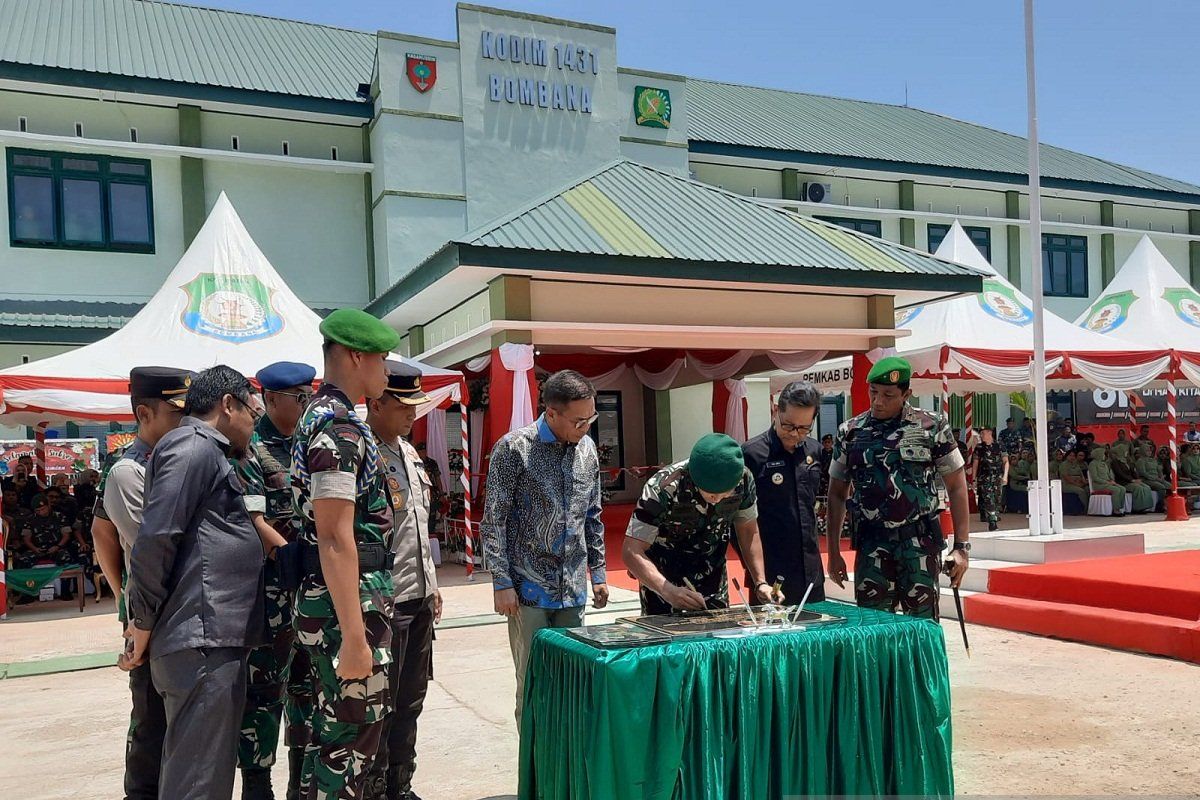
(1194, 247)
(510, 298)
(191, 174)
(791, 185)
(416, 340)
(908, 225)
(1012, 210)
(368, 205)
(881, 313)
(1108, 247)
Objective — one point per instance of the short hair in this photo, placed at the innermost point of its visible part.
(566, 386)
(135, 401)
(211, 385)
(1010, 419)
(25, 457)
(801, 394)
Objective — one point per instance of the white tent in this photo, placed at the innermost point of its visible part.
(1149, 302)
(984, 342)
(222, 304)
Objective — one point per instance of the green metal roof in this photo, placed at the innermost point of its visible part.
(781, 120)
(628, 209)
(187, 44)
(65, 314)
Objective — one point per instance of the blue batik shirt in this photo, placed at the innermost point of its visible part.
(541, 523)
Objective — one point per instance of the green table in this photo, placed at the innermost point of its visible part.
(861, 708)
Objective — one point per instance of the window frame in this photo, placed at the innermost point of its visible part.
(854, 224)
(1069, 248)
(969, 230)
(103, 176)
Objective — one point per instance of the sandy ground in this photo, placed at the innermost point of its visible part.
(1031, 715)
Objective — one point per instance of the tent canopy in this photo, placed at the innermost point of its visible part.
(222, 304)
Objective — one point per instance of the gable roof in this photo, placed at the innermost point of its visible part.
(773, 119)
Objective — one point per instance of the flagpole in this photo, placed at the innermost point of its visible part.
(1040, 525)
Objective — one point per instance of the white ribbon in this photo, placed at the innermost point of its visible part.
(518, 359)
(479, 364)
(735, 416)
(436, 445)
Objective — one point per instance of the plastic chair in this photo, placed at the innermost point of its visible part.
(1100, 502)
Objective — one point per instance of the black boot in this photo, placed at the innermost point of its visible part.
(295, 767)
(256, 784)
(993, 526)
(397, 787)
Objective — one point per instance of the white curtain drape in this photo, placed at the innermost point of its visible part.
(659, 381)
(796, 360)
(1018, 376)
(518, 359)
(479, 364)
(1128, 377)
(610, 379)
(735, 412)
(1190, 370)
(721, 369)
(436, 446)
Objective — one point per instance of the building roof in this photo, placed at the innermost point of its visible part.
(632, 210)
(187, 44)
(773, 119)
(65, 314)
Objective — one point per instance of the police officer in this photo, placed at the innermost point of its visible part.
(418, 601)
(344, 604)
(892, 455)
(786, 465)
(676, 541)
(157, 395)
(265, 472)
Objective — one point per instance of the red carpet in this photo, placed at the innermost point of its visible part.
(1144, 603)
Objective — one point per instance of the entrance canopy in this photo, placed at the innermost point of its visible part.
(222, 304)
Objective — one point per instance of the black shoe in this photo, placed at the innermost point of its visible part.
(256, 784)
(295, 767)
(993, 526)
(409, 795)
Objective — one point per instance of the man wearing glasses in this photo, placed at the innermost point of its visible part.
(786, 464)
(265, 473)
(541, 525)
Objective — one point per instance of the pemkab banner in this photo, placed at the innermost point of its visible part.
(1111, 407)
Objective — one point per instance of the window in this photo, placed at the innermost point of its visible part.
(79, 202)
(23, 124)
(872, 227)
(234, 144)
(287, 148)
(980, 237)
(1064, 265)
(79, 129)
(333, 153)
(133, 134)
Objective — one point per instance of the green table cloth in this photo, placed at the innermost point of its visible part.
(859, 708)
(30, 581)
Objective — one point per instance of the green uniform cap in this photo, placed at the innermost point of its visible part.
(359, 331)
(716, 464)
(890, 371)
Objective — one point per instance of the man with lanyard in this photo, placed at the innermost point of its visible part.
(893, 454)
(786, 465)
(265, 473)
(157, 395)
(679, 532)
(418, 601)
(344, 603)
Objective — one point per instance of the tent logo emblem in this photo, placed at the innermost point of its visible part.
(232, 308)
(908, 315)
(1186, 303)
(1110, 312)
(1002, 303)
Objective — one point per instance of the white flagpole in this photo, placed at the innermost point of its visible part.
(1040, 525)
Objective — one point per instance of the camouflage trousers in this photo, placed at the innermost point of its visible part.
(348, 716)
(269, 669)
(901, 572)
(989, 495)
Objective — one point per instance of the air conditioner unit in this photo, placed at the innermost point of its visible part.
(818, 192)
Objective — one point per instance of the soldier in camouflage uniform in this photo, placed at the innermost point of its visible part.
(679, 533)
(892, 455)
(265, 472)
(344, 604)
(991, 475)
(45, 536)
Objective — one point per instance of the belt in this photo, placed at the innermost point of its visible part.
(922, 525)
(371, 558)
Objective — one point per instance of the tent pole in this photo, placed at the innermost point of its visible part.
(1040, 525)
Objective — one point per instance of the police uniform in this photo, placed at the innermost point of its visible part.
(894, 465)
(688, 537)
(415, 581)
(120, 500)
(334, 456)
(265, 472)
(786, 485)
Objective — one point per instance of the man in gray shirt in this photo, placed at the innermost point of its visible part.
(157, 397)
(196, 599)
(418, 601)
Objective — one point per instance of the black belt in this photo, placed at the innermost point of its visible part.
(929, 524)
(371, 558)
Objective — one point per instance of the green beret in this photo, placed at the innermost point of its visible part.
(716, 464)
(359, 331)
(890, 371)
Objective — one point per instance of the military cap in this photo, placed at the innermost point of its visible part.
(716, 464)
(890, 371)
(38, 501)
(358, 330)
(285, 375)
(160, 383)
(404, 383)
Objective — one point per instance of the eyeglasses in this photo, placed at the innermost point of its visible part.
(789, 428)
(301, 397)
(584, 424)
(255, 414)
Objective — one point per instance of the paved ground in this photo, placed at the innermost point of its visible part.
(1031, 715)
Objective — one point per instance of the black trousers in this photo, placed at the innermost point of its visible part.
(144, 742)
(408, 677)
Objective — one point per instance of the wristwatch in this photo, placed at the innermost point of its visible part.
(964, 546)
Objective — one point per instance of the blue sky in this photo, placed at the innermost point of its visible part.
(1116, 79)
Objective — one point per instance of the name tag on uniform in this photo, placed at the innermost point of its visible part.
(774, 464)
